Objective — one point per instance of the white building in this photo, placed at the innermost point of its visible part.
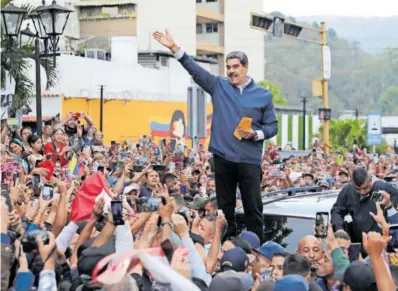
(132, 64)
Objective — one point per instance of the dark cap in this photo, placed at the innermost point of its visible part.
(308, 175)
(270, 248)
(234, 259)
(251, 238)
(229, 280)
(358, 276)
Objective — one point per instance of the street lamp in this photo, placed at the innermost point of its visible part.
(49, 22)
(12, 19)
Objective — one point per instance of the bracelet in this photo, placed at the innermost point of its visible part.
(169, 223)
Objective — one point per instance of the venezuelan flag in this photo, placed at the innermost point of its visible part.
(76, 167)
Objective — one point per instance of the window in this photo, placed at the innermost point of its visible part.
(199, 28)
(198, 1)
(211, 27)
(211, 0)
(164, 61)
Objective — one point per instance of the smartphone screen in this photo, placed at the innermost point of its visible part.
(282, 166)
(6, 195)
(179, 166)
(173, 144)
(393, 232)
(117, 212)
(321, 224)
(139, 169)
(353, 251)
(4, 188)
(265, 274)
(36, 183)
(159, 168)
(153, 204)
(120, 166)
(48, 192)
(172, 166)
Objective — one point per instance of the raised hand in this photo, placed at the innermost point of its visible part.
(164, 38)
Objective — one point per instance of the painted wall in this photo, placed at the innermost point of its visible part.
(129, 120)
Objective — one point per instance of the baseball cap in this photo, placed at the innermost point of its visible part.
(270, 248)
(231, 281)
(291, 282)
(358, 276)
(131, 187)
(251, 238)
(323, 183)
(234, 259)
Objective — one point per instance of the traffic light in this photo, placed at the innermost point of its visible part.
(277, 29)
(292, 29)
(260, 21)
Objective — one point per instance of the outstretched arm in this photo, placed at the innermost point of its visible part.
(200, 75)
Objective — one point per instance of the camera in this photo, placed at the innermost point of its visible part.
(29, 243)
(377, 196)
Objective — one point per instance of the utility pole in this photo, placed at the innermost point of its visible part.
(304, 100)
(101, 107)
(356, 113)
(325, 88)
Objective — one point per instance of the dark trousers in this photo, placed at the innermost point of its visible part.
(228, 175)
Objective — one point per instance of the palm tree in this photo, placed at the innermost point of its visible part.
(16, 68)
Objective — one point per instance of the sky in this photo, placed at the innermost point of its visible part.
(361, 8)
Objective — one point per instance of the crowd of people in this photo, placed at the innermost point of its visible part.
(78, 215)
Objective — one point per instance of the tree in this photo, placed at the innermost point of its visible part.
(389, 101)
(16, 68)
(274, 89)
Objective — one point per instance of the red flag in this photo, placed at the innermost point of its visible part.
(49, 166)
(92, 187)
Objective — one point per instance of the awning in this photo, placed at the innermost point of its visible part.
(88, 3)
(49, 94)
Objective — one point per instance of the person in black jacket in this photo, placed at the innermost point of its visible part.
(357, 199)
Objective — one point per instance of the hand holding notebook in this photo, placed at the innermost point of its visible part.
(244, 124)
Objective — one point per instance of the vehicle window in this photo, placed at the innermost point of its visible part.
(286, 231)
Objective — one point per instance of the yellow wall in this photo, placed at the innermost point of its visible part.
(127, 120)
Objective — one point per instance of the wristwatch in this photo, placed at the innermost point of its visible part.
(255, 137)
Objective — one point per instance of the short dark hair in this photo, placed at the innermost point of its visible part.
(213, 203)
(360, 176)
(282, 254)
(169, 177)
(241, 56)
(296, 264)
(342, 235)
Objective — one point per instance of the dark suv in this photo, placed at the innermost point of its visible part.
(290, 214)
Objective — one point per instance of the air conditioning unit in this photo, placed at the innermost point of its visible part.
(95, 54)
(69, 53)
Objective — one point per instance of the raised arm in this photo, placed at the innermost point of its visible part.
(200, 75)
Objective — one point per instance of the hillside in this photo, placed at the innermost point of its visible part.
(358, 81)
(374, 34)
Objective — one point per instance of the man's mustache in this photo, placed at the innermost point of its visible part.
(232, 75)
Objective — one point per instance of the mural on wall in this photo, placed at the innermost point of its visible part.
(176, 128)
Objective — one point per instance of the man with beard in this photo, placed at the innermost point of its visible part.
(237, 148)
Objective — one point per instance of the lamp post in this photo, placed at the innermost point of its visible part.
(49, 22)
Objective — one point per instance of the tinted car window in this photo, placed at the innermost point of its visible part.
(286, 231)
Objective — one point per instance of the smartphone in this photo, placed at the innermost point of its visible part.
(48, 192)
(321, 224)
(201, 147)
(117, 212)
(219, 212)
(179, 166)
(375, 158)
(4, 188)
(100, 169)
(35, 202)
(36, 183)
(393, 232)
(282, 166)
(164, 142)
(172, 166)
(340, 160)
(377, 196)
(354, 251)
(173, 144)
(153, 203)
(138, 168)
(275, 173)
(159, 168)
(120, 166)
(314, 152)
(266, 274)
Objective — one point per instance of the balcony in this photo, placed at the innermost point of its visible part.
(107, 18)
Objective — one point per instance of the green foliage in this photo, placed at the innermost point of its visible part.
(274, 89)
(358, 79)
(389, 101)
(16, 68)
(344, 133)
